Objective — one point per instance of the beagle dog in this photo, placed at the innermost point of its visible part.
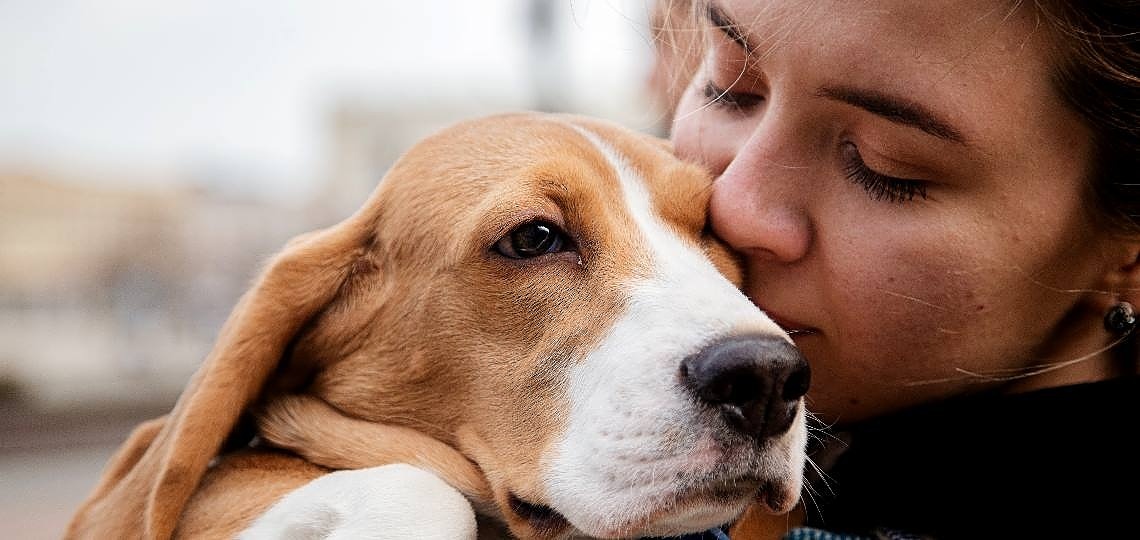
(528, 311)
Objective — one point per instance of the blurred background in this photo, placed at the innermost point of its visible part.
(154, 154)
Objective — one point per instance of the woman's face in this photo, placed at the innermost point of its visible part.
(906, 186)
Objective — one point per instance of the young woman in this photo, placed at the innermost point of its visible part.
(941, 202)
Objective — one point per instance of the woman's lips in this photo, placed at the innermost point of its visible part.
(793, 328)
(794, 332)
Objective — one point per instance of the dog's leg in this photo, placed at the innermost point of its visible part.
(319, 433)
(392, 501)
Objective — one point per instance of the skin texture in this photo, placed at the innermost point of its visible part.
(997, 271)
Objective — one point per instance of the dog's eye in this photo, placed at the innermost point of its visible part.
(531, 240)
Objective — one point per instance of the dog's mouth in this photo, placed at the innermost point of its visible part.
(683, 511)
(716, 505)
(664, 493)
(545, 520)
(698, 509)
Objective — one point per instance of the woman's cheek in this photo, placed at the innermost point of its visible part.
(907, 346)
(916, 320)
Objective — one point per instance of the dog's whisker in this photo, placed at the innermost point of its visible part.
(812, 417)
(823, 476)
(810, 497)
(813, 430)
(822, 433)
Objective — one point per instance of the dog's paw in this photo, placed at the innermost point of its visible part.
(393, 501)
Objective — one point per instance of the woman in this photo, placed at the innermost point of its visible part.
(938, 200)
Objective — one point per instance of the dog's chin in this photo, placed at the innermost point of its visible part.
(695, 512)
(655, 490)
(681, 512)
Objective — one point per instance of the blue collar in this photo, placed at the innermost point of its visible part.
(711, 534)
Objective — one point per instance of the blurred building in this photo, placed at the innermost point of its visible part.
(113, 294)
(365, 136)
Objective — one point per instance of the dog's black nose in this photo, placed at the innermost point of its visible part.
(756, 382)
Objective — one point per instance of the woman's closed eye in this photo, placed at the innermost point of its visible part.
(738, 102)
(879, 186)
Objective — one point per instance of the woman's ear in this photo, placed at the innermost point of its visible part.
(1121, 280)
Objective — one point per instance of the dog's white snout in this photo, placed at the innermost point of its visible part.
(755, 381)
(643, 449)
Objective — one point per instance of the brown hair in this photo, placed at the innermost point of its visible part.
(1099, 75)
(676, 38)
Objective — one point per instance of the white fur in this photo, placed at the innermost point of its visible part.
(632, 428)
(389, 502)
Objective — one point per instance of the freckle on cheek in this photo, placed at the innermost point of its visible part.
(980, 307)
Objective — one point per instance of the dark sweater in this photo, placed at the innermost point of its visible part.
(1053, 463)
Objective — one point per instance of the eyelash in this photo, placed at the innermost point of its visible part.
(879, 186)
(737, 102)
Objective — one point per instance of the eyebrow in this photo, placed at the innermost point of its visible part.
(893, 108)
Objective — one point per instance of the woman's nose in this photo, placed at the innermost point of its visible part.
(757, 204)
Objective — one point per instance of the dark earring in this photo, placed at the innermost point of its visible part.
(1120, 319)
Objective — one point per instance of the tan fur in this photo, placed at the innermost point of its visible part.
(402, 319)
(240, 488)
(758, 524)
(320, 434)
(678, 199)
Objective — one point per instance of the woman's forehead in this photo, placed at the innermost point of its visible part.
(980, 65)
(947, 34)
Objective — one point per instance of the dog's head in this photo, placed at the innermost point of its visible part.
(542, 294)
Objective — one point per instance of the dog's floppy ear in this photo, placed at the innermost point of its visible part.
(147, 483)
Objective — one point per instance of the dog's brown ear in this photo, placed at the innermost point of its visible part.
(146, 485)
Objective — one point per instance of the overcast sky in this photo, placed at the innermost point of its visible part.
(162, 84)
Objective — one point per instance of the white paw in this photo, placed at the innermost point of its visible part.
(394, 501)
